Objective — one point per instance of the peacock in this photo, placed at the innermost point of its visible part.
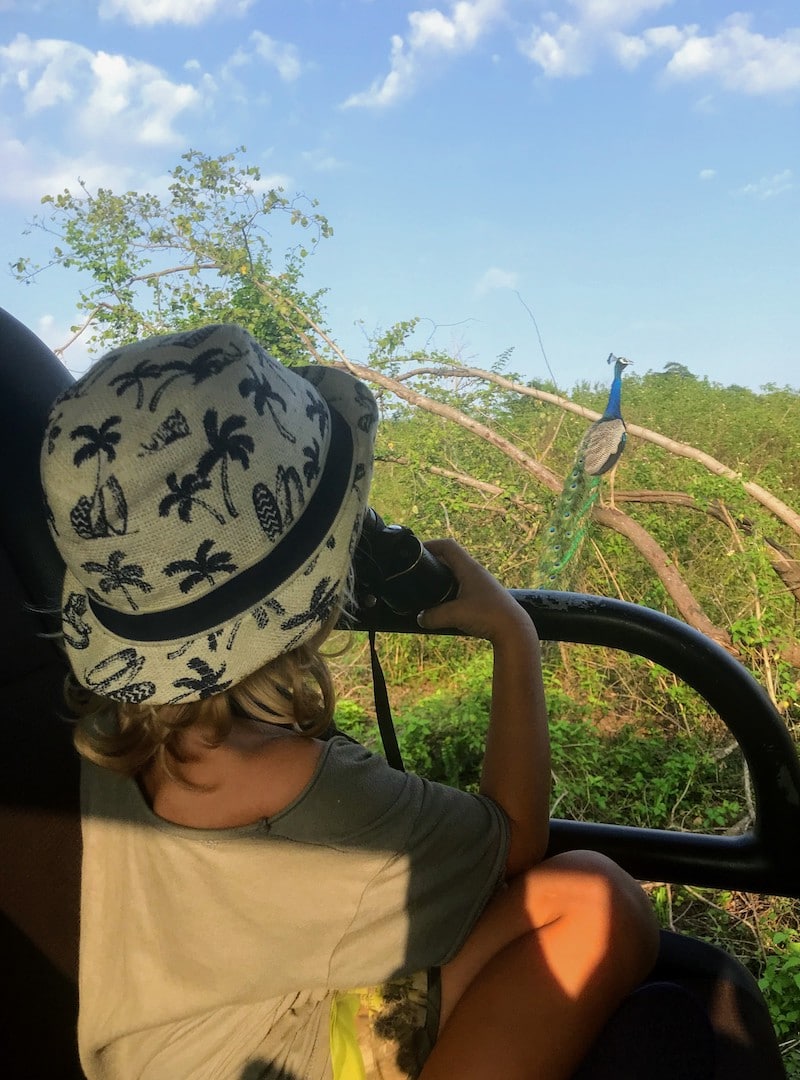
(599, 451)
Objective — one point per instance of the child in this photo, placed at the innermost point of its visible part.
(259, 901)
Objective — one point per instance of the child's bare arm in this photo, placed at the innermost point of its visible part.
(516, 766)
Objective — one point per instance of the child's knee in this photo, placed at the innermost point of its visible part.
(606, 906)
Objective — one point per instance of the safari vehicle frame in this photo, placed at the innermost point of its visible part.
(39, 812)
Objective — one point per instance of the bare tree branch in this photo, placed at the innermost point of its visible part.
(152, 274)
(787, 568)
(61, 349)
(663, 566)
(769, 501)
(679, 592)
(469, 481)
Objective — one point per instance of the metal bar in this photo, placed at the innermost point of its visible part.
(768, 858)
(720, 862)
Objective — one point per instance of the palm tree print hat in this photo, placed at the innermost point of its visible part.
(206, 501)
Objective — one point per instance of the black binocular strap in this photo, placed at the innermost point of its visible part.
(383, 710)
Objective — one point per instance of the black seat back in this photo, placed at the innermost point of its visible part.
(39, 816)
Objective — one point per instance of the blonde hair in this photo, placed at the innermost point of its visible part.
(295, 689)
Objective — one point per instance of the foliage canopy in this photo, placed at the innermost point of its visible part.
(152, 264)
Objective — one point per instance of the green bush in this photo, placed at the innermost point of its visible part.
(780, 984)
(640, 777)
(630, 777)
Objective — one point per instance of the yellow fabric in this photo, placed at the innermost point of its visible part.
(375, 1031)
(346, 1060)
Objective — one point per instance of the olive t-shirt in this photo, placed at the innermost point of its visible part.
(206, 953)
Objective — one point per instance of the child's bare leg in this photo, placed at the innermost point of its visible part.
(545, 967)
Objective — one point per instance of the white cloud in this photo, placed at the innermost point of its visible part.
(42, 70)
(273, 181)
(568, 46)
(495, 278)
(112, 112)
(108, 97)
(30, 171)
(707, 174)
(161, 102)
(741, 59)
(280, 55)
(736, 57)
(616, 12)
(631, 49)
(431, 35)
(567, 51)
(322, 161)
(182, 12)
(769, 186)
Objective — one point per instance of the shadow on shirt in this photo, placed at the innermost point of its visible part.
(263, 1070)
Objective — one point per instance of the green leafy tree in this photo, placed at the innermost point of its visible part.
(203, 254)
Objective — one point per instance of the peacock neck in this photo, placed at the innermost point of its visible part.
(614, 404)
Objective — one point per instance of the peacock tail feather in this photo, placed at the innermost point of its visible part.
(566, 528)
(599, 451)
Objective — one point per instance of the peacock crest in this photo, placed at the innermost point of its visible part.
(598, 453)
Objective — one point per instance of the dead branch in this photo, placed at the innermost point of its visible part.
(780, 558)
(679, 592)
(775, 506)
(61, 349)
(787, 568)
(468, 481)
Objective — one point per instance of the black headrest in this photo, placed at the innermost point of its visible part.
(31, 377)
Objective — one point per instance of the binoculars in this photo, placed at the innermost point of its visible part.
(392, 566)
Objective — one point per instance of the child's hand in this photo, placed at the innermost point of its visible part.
(482, 608)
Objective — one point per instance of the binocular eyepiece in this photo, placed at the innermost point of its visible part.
(392, 566)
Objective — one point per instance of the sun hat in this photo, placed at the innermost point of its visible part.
(206, 501)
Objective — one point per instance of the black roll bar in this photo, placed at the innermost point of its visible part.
(765, 859)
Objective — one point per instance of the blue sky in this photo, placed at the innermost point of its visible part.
(630, 168)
